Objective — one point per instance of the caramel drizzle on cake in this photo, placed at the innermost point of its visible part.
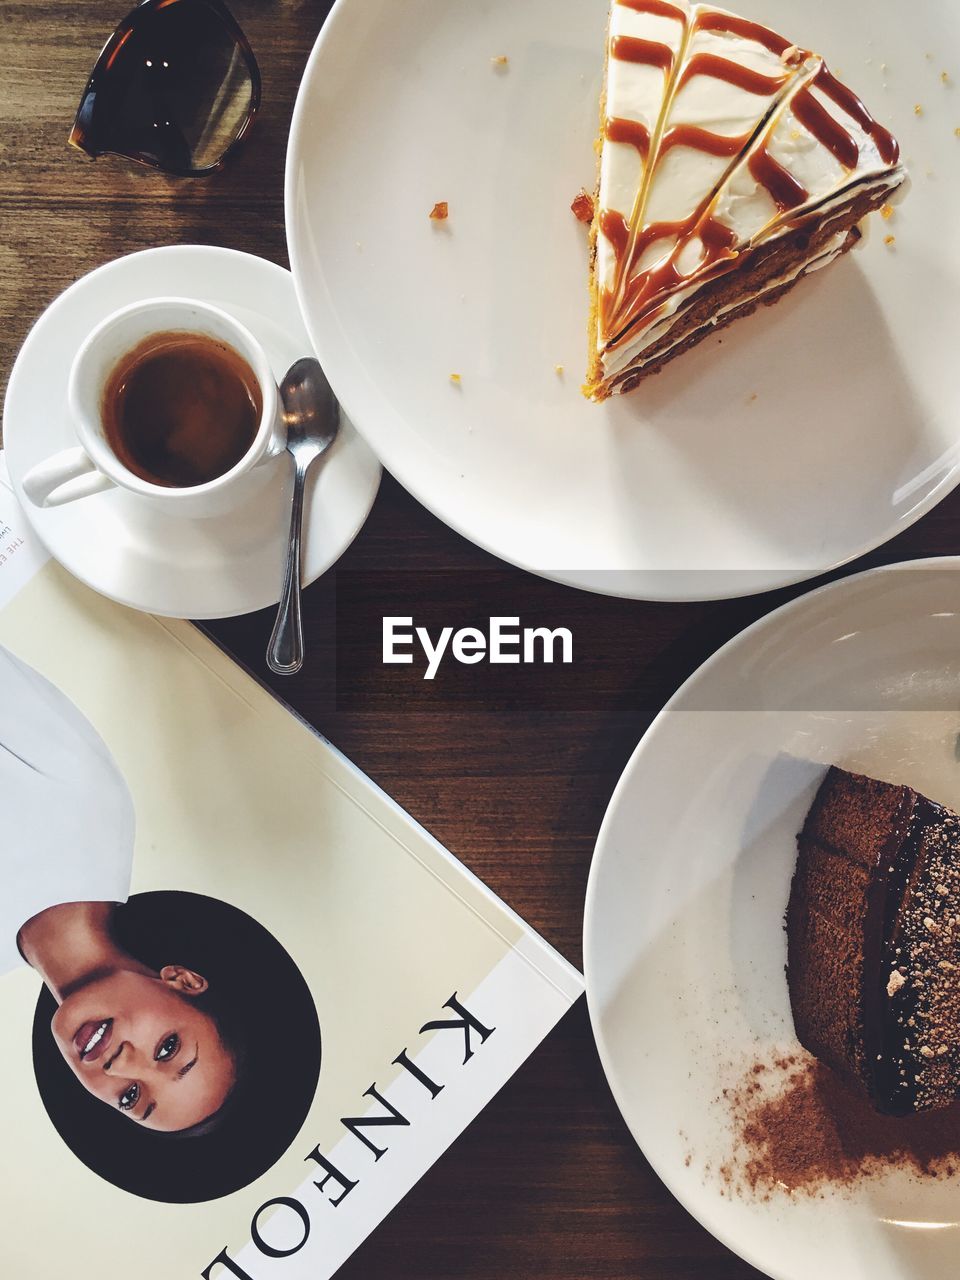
(785, 190)
(701, 246)
(659, 8)
(646, 52)
(631, 132)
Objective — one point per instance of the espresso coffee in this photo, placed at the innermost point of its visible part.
(181, 409)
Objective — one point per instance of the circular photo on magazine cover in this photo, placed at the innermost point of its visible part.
(196, 1063)
(176, 1044)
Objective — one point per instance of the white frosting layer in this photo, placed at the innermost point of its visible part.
(832, 249)
(686, 176)
(674, 182)
(619, 357)
(635, 92)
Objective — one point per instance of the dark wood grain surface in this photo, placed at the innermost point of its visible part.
(514, 779)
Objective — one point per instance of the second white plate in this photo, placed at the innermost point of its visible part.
(684, 944)
(819, 429)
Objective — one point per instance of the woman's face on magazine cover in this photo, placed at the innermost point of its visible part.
(141, 1045)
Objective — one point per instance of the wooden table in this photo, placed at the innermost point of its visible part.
(512, 773)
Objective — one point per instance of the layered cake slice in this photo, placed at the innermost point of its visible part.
(732, 162)
(873, 937)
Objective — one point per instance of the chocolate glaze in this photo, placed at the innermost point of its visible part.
(895, 869)
(900, 1067)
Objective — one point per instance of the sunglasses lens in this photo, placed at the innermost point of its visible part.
(176, 90)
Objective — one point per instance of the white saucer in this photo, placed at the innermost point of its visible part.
(145, 559)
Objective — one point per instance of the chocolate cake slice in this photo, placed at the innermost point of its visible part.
(873, 941)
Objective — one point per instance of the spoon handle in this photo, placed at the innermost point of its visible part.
(285, 650)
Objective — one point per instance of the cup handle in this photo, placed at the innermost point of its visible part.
(67, 475)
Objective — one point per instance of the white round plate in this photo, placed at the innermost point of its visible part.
(123, 548)
(819, 429)
(684, 945)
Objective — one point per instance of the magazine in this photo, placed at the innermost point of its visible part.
(248, 1001)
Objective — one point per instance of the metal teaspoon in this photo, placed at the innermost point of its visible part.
(312, 418)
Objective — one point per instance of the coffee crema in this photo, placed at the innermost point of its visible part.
(181, 409)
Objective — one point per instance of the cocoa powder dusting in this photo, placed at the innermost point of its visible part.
(800, 1130)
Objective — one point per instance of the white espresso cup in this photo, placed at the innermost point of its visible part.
(92, 465)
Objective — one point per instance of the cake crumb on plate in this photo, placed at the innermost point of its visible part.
(582, 206)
